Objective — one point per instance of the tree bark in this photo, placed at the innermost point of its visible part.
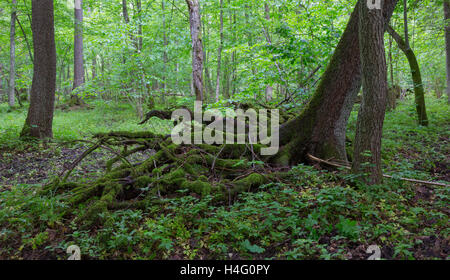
(94, 67)
(40, 113)
(419, 92)
(78, 79)
(165, 57)
(197, 48)
(320, 129)
(30, 51)
(140, 39)
(219, 53)
(12, 56)
(125, 11)
(1, 82)
(369, 127)
(447, 42)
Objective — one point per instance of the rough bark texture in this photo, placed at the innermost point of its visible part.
(197, 48)
(447, 43)
(320, 127)
(369, 127)
(78, 79)
(12, 56)
(40, 113)
(416, 76)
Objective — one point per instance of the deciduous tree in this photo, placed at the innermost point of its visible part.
(40, 113)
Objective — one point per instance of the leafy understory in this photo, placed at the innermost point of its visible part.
(305, 213)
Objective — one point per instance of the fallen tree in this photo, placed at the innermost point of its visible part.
(227, 170)
(222, 171)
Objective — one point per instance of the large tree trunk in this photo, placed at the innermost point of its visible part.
(78, 79)
(369, 127)
(197, 48)
(320, 129)
(40, 113)
(447, 43)
(12, 56)
(416, 76)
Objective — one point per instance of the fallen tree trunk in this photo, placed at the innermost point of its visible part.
(221, 171)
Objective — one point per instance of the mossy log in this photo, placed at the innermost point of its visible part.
(220, 171)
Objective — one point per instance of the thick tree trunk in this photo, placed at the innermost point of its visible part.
(416, 76)
(12, 56)
(447, 42)
(219, 53)
(369, 128)
(197, 48)
(40, 113)
(78, 79)
(320, 129)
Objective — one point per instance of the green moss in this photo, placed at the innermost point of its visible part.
(248, 183)
(198, 187)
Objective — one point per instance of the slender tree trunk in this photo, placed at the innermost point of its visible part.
(78, 79)
(30, 51)
(140, 39)
(209, 86)
(405, 21)
(369, 128)
(320, 129)
(447, 42)
(233, 57)
(416, 76)
(12, 56)
(219, 53)
(67, 88)
(267, 16)
(197, 48)
(94, 67)
(40, 113)
(86, 73)
(165, 58)
(125, 11)
(226, 77)
(391, 64)
(1, 82)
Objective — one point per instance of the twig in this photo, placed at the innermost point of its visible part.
(386, 176)
(215, 158)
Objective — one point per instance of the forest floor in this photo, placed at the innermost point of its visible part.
(320, 214)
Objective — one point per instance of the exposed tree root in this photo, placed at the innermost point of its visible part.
(220, 171)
